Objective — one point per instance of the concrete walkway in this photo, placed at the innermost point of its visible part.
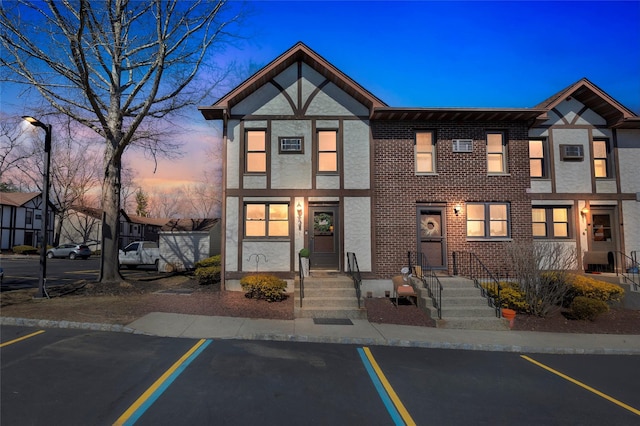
(362, 332)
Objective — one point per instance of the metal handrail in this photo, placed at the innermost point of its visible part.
(467, 264)
(429, 279)
(354, 273)
(301, 274)
(628, 267)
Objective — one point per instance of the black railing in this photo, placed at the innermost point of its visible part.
(628, 267)
(467, 264)
(354, 273)
(428, 277)
(301, 274)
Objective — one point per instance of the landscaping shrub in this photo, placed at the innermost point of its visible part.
(511, 297)
(208, 275)
(263, 286)
(587, 309)
(209, 261)
(24, 250)
(583, 286)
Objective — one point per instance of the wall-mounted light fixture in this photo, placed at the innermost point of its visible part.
(584, 211)
(457, 209)
(299, 212)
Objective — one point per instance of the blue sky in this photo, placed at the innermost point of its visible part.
(436, 54)
(454, 53)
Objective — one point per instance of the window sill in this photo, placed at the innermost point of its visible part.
(266, 239)
(427, 174)
(498, 174)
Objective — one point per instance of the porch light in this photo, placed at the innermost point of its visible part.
(299, 212)
(584, 211)
(457, 209)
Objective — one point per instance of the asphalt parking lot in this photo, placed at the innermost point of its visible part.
(59, 376)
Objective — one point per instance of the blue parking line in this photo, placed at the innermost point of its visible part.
(389, 405)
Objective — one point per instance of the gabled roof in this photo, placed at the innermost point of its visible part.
(17, 199)
(143, 220)
(89, 211)
(177, 225)
(595, 99)
(299, 52)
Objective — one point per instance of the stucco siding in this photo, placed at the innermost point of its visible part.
(180, 251)
(291, 171)
(572, 176)
(631, 218)
(541, 186)
(606, 186)
(277, 254)
(357, 230)
(288, 81)
(266, 100)
(231, 241)
(233, 155)
(356, 155)
(327, 182)
(629, 158)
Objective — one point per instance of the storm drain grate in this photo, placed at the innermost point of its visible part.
(332, 321)
(182, 291)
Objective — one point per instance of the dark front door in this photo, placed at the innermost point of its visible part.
(324, 239)
(431, 233)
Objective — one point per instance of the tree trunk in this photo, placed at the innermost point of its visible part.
(109, 265)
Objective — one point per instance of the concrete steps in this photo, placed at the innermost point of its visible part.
(463, 307)
(327, 295)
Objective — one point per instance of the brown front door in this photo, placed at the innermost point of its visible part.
(603, 230)
(324, 239)
(431, 232)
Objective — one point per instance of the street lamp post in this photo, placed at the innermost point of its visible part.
(45, 216)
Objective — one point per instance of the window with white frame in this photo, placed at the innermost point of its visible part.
(327, 151)
(488, 220)
(256, 151)
(425, 155)
(550, 222)
(266, 220)
(496, 153)
(601, 158)
(538, 158)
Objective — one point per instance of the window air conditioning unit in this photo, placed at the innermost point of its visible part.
(571, 152)
(463, 145)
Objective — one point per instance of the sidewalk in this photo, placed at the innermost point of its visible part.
(362, 332)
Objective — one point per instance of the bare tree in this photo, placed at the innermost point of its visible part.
(15, 149)
(542, 270)
(119, 67)
(166, 203)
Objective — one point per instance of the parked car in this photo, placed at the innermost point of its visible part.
(140, 253)
(71, 251)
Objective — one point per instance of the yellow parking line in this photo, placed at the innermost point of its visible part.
(19, 339)
(582, 385)
(387, 386)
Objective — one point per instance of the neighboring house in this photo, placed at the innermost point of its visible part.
(84, 224)
(312, 159)
(183, 242)
(21, 219)
(585, 186)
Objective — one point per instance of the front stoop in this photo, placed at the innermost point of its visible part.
(327, 295)
(463, 307)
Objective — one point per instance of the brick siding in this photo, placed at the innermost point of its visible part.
(461, 178)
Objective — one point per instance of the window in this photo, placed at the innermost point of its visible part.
(571, 153)
(487, 220)
(327, 151)
(601, 158)
(266, 220)
(29, 217)
(496, 153)
(256, 151)
(291, 145)
(537, 161)
(550, 222)
(425, 152)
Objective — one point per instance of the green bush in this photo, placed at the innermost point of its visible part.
(587, 309)
(209, 261)
(208, 275)
(583, 286)
(511, 297)
(24, 250)
(262, 286)
(304, 252)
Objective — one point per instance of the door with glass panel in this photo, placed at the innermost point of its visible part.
(324, 241)
(431, 234)
(603, 232)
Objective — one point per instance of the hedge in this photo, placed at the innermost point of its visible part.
(263, 286)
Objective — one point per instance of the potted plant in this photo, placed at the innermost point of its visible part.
(304, 260)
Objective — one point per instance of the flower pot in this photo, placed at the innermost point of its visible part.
(509, 314)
